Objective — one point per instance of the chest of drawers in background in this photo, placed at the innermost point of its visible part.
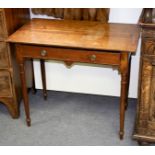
(145, 120)
(10, 90)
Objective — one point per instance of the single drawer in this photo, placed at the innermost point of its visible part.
(2, 27)
(148, 46)
(5, 84)
(4, 57)
(68, 55)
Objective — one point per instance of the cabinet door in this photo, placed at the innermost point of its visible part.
(146, 122)
(5, 84)
(4, 57)
(2, 26)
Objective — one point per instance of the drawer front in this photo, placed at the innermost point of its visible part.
(5, 84)
(148, 46)
(2, 27)
(4, 57)
(69, 55)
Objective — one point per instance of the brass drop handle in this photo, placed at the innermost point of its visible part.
(93, 57)
(43, 53)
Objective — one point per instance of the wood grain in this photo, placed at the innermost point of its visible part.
(10, 87)
(2, 26)
(78, 34)
(77, 41)
(93, 14)
(5, 84)
(68, 55)
(4, 56)
(99, 14)
(145, 119)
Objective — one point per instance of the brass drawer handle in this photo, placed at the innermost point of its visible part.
(43, 53)
(93, 57)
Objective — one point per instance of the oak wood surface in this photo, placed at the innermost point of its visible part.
(89, 14)
(77, 41)
(68, 55)
(78, 34)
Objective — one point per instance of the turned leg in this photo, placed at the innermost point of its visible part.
(33, 79)
(122, 103)
(128, 82)
(25, 94)
(124, 84)
(43, 75)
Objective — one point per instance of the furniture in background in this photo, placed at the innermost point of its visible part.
(10, 86)
(145, 119)
(77, 41)
(91, 14)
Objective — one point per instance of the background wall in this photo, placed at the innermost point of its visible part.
(91, 79)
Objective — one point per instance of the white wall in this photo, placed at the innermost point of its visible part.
(91, 79)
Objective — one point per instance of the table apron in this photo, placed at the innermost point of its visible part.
(68, 54)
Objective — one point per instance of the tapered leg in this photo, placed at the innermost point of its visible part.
(33, 79)
(124, 85)
(128, 82)
(43, 74)
(122, 103)
(25, 94)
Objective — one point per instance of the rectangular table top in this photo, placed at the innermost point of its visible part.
(78, 34)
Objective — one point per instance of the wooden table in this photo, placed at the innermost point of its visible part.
(77, 41)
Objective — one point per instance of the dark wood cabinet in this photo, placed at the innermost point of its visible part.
(10, 87)
(145, 119)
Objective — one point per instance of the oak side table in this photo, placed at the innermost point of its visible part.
(77, 41)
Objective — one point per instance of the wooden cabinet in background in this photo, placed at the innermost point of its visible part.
(145, 120)
(10, 89)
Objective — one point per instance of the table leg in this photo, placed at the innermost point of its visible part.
(25, 94)
(43, 75)
(33, 79)
(124, 86)
(128, 83)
